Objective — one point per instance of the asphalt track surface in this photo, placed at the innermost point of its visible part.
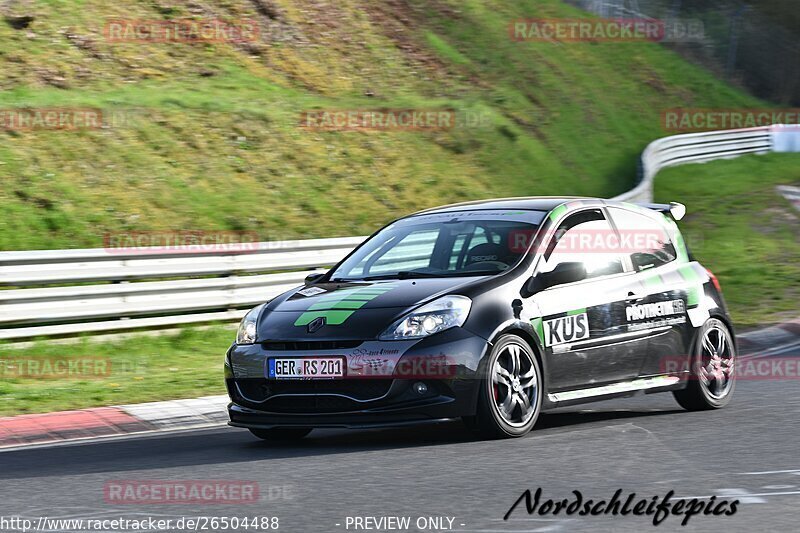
(645, 445)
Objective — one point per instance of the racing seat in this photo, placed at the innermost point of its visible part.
(494, 254)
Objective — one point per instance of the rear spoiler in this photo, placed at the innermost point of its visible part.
(678, 211)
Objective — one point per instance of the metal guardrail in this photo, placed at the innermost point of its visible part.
(109, 290)
(695, 148)
(140, 289)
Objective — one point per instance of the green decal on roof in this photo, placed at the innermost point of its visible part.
(557, 212)
(576, 312)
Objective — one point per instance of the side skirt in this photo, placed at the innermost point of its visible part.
(623, 388)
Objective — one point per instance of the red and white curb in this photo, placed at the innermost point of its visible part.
(211, 411)
(790, 193)
(767, 339)
(112, 421)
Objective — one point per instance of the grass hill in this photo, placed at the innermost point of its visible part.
(206, 136)
(739, 226)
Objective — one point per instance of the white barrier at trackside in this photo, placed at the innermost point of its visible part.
(220, 285)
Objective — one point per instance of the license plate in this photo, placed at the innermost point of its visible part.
(305, 367)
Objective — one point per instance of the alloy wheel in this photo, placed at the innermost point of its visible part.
(716, 363)
(515, 385)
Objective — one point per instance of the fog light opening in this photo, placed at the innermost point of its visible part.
(420, 388)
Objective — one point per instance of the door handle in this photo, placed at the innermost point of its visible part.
(633, 297)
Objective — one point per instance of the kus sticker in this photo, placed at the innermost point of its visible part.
(569, 328)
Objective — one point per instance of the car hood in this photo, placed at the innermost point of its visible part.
(353, 310)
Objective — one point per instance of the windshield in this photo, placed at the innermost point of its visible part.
(463, 243)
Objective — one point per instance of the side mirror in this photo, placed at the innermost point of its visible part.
(563, 273)
(314, 277)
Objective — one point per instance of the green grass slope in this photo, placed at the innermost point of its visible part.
(741, 228)
(205, 136)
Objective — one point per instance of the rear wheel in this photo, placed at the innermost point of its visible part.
(711, 381)
(280, 434)
(510, 395)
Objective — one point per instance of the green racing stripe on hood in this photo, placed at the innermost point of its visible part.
(332, 317)
(339, 305)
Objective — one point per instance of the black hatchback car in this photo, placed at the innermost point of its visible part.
(491, 312)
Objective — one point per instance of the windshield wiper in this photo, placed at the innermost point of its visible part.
(410, 274)
(403, 274)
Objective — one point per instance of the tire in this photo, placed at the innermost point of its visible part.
(711, 378)
(280, 434)
(502, 409)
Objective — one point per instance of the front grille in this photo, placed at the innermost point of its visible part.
(310, 346)
(311, 404)
(360, 389)
(312, 395)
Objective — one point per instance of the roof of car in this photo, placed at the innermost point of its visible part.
(537, 203)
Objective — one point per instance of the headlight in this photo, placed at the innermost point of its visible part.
(445, 313)
(247, 328)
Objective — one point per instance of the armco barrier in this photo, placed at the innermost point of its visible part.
(694, 148)
(70, 292)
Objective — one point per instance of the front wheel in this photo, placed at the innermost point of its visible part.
(280, 434)
(510, 395)
(711, 378)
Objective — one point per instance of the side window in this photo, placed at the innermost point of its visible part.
(644, 238)
(581, 239)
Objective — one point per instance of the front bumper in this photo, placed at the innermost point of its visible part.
(378, 389)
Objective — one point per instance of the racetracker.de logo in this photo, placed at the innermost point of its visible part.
(378, 119)
(690, 120)
(51, 118)
(208, 492)
(66, 367)
(749, 369)
(181, 31)
(185, 241)
(600, 241)
(576, 30)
